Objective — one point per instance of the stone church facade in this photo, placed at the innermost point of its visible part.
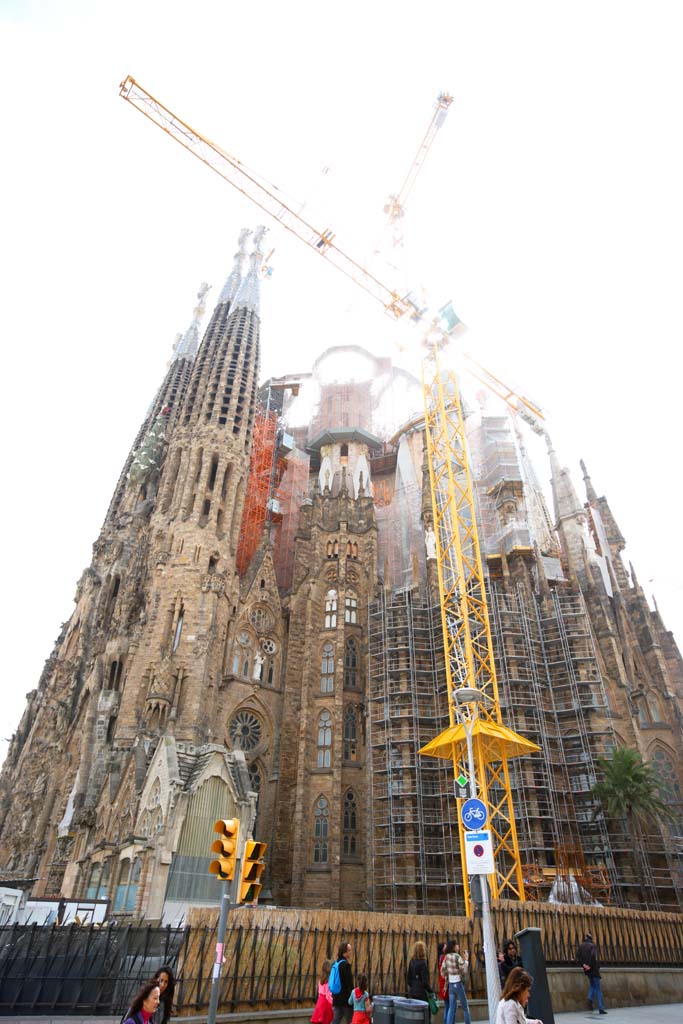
(295, 694)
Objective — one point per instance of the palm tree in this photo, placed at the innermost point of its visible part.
(630, 791)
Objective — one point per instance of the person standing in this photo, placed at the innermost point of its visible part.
(443, 984)
(322, 1011)
(512, 1006)
(340, 1000)
(588, 958)
(166, 982)
(360, 1002)
(453, 968)
(510, 959)
(417, 975)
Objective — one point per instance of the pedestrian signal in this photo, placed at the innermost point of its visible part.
(252, 869)
(226, 848)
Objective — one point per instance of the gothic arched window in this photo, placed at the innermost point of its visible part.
(321, 830)
(133, 885)
(351, 608)
(351, 664)
(653, 705)
(178, 627)
(331, 609)
(327, 669)
(350, 734)
(350, 829)
(127, 888)
(324, 740)
(93, 886)
(669, 785)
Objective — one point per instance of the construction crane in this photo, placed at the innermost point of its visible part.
(464, 611)
(395, 207)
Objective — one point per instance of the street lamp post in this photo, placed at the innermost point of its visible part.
(467, 700)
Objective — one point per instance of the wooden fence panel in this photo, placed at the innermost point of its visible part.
(273, 955)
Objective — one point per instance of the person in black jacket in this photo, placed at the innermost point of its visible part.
(340, 1001)
(511, 958)
(588, 958)
(417, 974)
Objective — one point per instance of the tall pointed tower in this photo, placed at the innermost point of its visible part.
(128, 711)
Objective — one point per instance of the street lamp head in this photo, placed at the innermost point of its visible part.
(469, 695)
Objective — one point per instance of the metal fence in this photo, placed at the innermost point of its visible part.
(80, 970)
(273, 958)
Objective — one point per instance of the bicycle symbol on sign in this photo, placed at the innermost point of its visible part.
(473, 814)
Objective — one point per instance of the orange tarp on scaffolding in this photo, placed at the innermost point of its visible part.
(258, 489)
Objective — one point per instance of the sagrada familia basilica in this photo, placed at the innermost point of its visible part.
(258, 635)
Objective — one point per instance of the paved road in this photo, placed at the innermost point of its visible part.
(672, 1013)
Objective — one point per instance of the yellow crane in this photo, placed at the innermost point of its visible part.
(464, 611)
(395, 208)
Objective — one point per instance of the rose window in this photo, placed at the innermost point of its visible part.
(268, 645)
(260, 619)
(245, 730)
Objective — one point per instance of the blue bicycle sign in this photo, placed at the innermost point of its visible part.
(473, 813)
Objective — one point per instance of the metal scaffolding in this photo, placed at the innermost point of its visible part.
(415, 853)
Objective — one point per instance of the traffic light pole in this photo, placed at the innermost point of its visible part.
(229, 899)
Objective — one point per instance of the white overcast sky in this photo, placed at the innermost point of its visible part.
(550, 210)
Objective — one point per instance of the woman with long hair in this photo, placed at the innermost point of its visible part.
(417, 974)
(453, 970)
(166, 982)
(145, 1003)
(512, 1007)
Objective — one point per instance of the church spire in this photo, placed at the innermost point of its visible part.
(249, 292)
(566, 503)
(590, 490)
(234, 278)
(186, 345)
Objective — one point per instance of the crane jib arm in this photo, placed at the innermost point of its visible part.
(228, 167)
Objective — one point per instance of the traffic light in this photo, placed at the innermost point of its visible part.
(252, 869)
(226, 848)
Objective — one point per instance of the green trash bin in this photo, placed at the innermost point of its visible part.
(383, 1010)
(411, 1011)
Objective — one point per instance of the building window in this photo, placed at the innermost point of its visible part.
(350, 843)
(350, 734)
(395, 772)
(178, 628)
(261, 619)
(320, 831)
(327, 669)
(127, 889)
(351, 664)
(97, 882)
(351, 609)
(324, 740)
(115, 670)
(256, 783)
(331, 609)
(669, 786)
(245, 730)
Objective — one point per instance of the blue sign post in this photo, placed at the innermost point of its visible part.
(474, 813)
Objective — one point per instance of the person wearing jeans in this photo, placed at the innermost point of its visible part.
(453, 968)
(587, 956)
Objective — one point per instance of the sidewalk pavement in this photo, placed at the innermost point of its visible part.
(670, 1013)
